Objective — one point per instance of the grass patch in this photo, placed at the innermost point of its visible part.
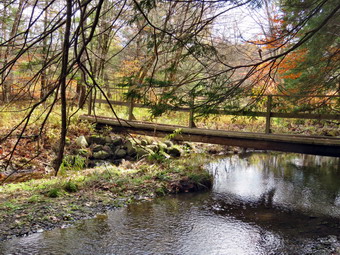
(144, 177)
(71, 187)
(54, 192)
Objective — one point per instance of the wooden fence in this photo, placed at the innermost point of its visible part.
(268, 112)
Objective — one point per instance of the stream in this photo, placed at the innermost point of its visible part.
(261, 203)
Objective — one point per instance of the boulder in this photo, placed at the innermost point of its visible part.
(130, 148)
(116, 142)
(101, 155)
(120, 153)
(128, 145)
(95, 139)
(81, 142)
(108, 139)
(96, 147)
(107, 149)
(142, 152)
(132, 152)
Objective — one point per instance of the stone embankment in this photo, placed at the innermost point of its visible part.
(95, 150)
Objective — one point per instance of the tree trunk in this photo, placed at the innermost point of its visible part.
(43, 77)
(7, 75)
(81, 85)
(62, 84)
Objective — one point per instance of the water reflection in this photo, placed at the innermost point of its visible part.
(260, 204)
(301, 182)
(179, 225)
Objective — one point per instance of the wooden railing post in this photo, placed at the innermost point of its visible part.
(191, 113)
(191, 118)
(268, 114)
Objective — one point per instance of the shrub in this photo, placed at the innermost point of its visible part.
(71, 187)
(55, 192)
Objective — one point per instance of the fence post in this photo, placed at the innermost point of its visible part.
(191, 113)
(268, 114)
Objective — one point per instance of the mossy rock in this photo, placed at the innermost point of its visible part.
(108, 139)
(130, 147)
(142, 151)
(101, 155)
(120, 153)
(108, 149)
(132, 152)
(116, 142)
(95, 139)
(96, 147)
(82, 142)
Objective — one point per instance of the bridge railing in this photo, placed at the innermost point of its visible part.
(267, 110)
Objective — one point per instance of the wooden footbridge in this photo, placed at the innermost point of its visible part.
(317, 145)
(288, 143)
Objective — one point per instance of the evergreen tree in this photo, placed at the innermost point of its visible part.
(317, 71)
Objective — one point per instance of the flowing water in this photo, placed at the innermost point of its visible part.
(260, 204)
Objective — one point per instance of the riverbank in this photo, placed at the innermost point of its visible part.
(39, 205)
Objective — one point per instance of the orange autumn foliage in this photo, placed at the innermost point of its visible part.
(128, 68)
(273, 42)
(290, 62)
